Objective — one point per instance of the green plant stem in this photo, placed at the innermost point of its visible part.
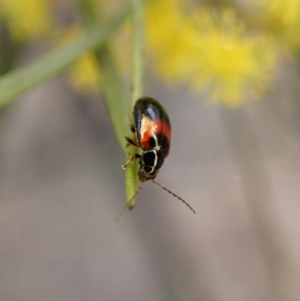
(113, 91)
(21, 80)
(137, 85)
(111, 84)
(136, 92)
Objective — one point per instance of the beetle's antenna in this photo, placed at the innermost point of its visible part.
(127, 206)
(121, 213)
(175, 195)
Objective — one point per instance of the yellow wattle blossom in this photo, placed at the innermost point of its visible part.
(282, 18)
(84, 74)
(26, 19)
(208, 50)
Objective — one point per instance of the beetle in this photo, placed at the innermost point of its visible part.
(152, 130)
(153, 133)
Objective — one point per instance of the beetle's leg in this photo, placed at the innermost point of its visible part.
(132, 128)
(130, 141)
(136, 156)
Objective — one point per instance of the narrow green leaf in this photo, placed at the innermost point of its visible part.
(137, 91)
(21, 80)
(110, 80)
(114, 93)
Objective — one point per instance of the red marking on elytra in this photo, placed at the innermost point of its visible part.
(150, 128)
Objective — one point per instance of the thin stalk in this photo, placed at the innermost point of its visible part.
(113, 91)
(136, 91)
(110, 81)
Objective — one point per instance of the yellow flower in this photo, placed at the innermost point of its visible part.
(208, 50)
(26, 19)
(282, 18)
(84, 74)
